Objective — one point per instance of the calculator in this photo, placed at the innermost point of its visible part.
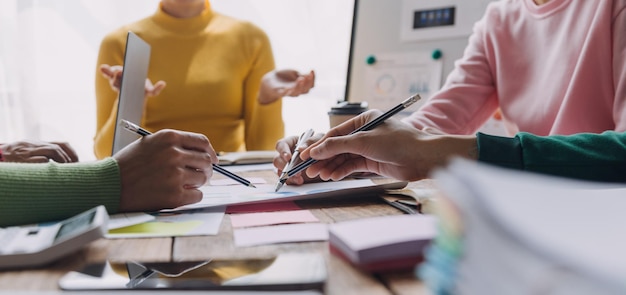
(31, 246)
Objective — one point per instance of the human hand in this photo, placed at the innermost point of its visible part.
(114, 75)
(164, 170)
(285, 148)
(38, 152)
(393, 149)
(279, 83)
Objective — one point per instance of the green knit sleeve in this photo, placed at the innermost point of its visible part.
(590, 156)
(32, 193)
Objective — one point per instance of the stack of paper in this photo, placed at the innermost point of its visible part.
(510, 232)
(382, 243)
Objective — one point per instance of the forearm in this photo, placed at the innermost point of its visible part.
(31, 193)
(598, 157)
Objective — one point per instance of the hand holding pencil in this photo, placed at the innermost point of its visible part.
(132, 127)
(365, 143)
(162, 171)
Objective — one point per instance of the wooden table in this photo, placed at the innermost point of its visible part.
(343, 278)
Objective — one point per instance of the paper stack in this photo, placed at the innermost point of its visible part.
(510, 232)
(383, 243)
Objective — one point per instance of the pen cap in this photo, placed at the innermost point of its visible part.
(344, 111)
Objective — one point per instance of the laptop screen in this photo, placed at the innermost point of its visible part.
(131, 98)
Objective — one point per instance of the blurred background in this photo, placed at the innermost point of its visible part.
(48, 51)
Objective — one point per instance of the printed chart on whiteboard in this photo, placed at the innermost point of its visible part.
(395, 76)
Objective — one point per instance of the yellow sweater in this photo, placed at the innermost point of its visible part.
(213, 65)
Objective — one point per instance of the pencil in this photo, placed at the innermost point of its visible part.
(370, 125)
(294, 157)
(132, 127)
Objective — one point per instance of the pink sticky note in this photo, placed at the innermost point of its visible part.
(271, 218)
(262, 207)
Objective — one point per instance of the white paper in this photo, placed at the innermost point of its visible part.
(239, 194)
(540, 226)
(289, 233)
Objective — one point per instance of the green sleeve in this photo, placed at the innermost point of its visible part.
(590, 156)
(32, 193)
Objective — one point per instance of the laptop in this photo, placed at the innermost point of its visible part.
(131, 98)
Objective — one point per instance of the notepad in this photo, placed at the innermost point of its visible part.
(249, 157)
(382, 243)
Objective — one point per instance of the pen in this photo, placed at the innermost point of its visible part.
(294, 157)
(370, 125)
(143, 132)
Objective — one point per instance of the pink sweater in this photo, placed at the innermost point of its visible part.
(558, 68)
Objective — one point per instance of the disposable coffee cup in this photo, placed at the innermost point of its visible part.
(344, 111)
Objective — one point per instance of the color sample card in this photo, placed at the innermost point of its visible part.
(288, 233)
(272, 218)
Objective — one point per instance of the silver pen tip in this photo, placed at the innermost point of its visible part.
(252, 185)
(278, 186)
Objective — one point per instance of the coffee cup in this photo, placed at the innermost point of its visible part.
(344, 111)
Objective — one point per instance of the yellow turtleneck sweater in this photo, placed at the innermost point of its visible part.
(213, 65)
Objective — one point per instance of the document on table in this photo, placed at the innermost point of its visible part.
(199, 222)
(272, 218)
(286, 233)
(218, 195)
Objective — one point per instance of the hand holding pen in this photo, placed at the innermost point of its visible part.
(365, 127)
(163, 171)
(132, 127)
(300, 144)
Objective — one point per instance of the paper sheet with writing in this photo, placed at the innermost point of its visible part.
(217, 195)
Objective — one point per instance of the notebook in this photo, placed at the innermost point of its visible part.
(131, 98)
(382, 243)
(248, 157)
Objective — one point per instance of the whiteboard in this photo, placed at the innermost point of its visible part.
(380, 30)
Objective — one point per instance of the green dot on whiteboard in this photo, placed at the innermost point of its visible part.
(370, 60)
(436, 54)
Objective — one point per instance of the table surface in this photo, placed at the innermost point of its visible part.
(343, 278)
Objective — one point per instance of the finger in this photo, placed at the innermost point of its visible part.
(333, 146)
(69, 151)
(295, 180)
(312, 77)
(197, 161)
(116, 80)
(287, 75)
(36, 159)
(343, 167)
(284, 148)
(52, 152)
(195, 178)
(190, 196)
(198, 142)
(158, 87)
(106, 71)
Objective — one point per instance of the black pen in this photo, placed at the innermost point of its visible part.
(143, 132)
(370, 125)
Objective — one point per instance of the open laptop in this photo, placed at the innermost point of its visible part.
(131, 98)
